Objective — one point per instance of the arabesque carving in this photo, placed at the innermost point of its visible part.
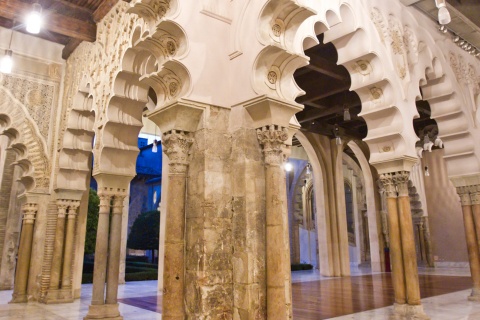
(273, 139)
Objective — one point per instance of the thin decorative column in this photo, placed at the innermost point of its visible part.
(68, 254)
(107, 249)
(279, 290)
(396, 255)
(428, 243)
(55, 274)
(114, 249)
(475, 198)
(408, 245)
(472, 243)
(24, 252)
(176, 145)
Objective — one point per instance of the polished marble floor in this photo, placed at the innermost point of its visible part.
(451, 306)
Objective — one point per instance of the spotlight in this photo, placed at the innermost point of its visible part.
(6, 63)
(427, 173)
(34, 19)
(346, 114)
(288, 166)
(443, 14)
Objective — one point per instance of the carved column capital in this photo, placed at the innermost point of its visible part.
(176, 145)
(401, 179)
(105, 200)
(475, 194)
(29, 211)
(464, 193)
(388, 185)
(72, 208)
(118, 203)
(273, 139)
(62, 206)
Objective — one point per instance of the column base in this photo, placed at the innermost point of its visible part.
(19, 298)
(58, 296)
(475, 295)
(103, 311)
(408, 312)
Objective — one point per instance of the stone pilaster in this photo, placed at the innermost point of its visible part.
(273, 138)
(471, 238)
(29, 211)
(176, 145)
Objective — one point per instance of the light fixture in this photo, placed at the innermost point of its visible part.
(427, 173)
(154, 146)
(288, 166)
(443, 14)
(6, 63)
(346, 113)
(34, 19)
(336, 133)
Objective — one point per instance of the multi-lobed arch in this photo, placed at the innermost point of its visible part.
(26, 140)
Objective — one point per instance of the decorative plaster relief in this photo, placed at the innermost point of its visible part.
(363, 67)
(380, 24)
(37, 97)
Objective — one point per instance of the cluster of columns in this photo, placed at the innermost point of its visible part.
(60, 289)
(279, 289)
(175, 144)
(29, 211)
(402, 247)
(470, 200)
(104, 303)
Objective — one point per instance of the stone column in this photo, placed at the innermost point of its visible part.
(472, 243)
(475, 198)
(55, 274)
(24, 252)
(396, 255)
(279, 291)
(408, 241)
(114, 249)
(69, 243)
(176, 145)
(107, 248)
(428, 243)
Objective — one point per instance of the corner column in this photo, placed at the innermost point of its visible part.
(176, 145)
(68, 254)
(279, 291)
(24, 252)
(55, 274)
(471, 238)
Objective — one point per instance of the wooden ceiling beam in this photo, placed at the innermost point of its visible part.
(67, 26)
(103, 9)
(322, 94)
(327, 68)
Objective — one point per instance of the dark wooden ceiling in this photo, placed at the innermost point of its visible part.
(67, 22)
(327, 95)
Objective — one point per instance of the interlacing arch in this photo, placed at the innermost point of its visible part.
(26, 141)
(373, 75)
(151, 61)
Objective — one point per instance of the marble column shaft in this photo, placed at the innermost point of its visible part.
(101, 251)
(471, 238)
(69, 242)
(24, 252)
(114, 250)
(176, 146)
(277, 250)
(408, 240)
(396, 256)
(58, 246)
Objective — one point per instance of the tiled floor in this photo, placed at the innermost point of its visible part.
(453, 306)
